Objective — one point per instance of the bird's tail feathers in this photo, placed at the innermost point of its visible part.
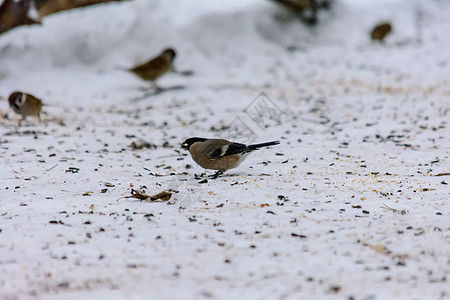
(257, 146)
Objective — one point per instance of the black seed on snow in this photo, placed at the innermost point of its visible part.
(298, 235)
(335, 288)
(63, 285)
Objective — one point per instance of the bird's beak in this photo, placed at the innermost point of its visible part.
(184, 146)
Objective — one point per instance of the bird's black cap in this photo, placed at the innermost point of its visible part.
(188, 143)
(171, 52)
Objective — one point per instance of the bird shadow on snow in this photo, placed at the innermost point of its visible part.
(218, 175)
(149, 92)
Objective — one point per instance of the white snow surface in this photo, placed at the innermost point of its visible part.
(348, 206)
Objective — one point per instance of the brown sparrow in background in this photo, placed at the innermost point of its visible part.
(156, 67)
(219, 154)
(380, 31)
(25, 105)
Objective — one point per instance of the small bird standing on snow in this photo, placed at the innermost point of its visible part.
(25, 105)
(219, 154)
(156, 67)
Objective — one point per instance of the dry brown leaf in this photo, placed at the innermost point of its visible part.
(378, 248)
(140, 195)
(164, 196)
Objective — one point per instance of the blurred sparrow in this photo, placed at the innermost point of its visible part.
(219, 154)
(380, 31)
(25, 105)
(156, 67)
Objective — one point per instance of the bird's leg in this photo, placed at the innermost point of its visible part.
(145, 88)
(153, 86)
(157, 87)
(39, 118)
(21, 120)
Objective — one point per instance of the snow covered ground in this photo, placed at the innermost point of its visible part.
(347, 207)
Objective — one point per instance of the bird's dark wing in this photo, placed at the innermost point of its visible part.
(153, 64)
(230, 149)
